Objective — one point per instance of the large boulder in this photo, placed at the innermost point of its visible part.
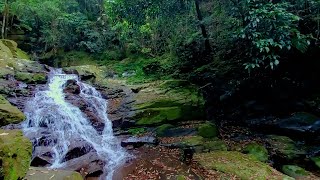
(15, 154)
(241, 165)
(167, 101)
(9, 114)
(36, 173)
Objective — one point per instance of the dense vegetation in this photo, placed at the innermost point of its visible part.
(228, 44)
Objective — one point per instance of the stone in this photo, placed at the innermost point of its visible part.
(139, 141)
(72, 87)
(161, 130)
(294, 171)
(37, 173)
(208, 130)
(15, 154)
(257, 150)
(241, 165)
(9, 114)
(284, 147)
(31, 78)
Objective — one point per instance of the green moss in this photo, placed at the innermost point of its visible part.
(31, 78)
(22, 55)
(155, 116)
(215, 145)
(208, 130)
(294, 171)
(194, 141)
(158, 104)
(137, 131)
(74, 58)
(284, 146)
(9, 114)
(258, 151)
(316, 160)
(15, 153)
(161, 130)
(241, 165)
(181, 177)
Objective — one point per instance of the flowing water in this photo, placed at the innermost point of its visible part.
(63, 122)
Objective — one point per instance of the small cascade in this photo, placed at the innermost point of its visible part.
(63, 122)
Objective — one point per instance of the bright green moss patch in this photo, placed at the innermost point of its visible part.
(316, 161)
(241, 165)
(215, 145)
(9, 114)
(36, 78)
(208, 130)
(137, 131)
(22, 55)
(155, 116)
(15, 154)
(194, 141)
(294, 171)
(161, 130)
(258, 151)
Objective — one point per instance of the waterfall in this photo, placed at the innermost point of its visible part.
(49, 111)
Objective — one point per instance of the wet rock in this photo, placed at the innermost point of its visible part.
(300, 125)
(15, 154)
(241, 165)
(87, 109)
(139, 141)
(8, 113)
(36, 173)
(90, 163)
(87, 73)
(72, 87)
(178, 132)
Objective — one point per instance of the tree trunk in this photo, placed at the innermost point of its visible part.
(203, 28)
(4, 18)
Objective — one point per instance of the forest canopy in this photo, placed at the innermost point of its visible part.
(255, 34)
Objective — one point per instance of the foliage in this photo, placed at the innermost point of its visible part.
(270, 29)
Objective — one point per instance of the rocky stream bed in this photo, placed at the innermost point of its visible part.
(162, 126)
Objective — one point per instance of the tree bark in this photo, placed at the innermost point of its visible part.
(4, 18)
(203, 28)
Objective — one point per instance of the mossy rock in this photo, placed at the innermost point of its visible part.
(9, 114)
(154, 116)
(136, 131)
(284, 146)
(215, 145)
(39, 173)
(31, 78)
(161, 130)
(159, 103)
(194, 141)
(316, 161)
(294, 171)
(15, 154)
(201, 144)
(208, 130)
(258, 151)
(241, 165)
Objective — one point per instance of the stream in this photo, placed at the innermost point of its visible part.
(54, 123)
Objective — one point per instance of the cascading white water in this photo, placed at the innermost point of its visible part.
(64, 121)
